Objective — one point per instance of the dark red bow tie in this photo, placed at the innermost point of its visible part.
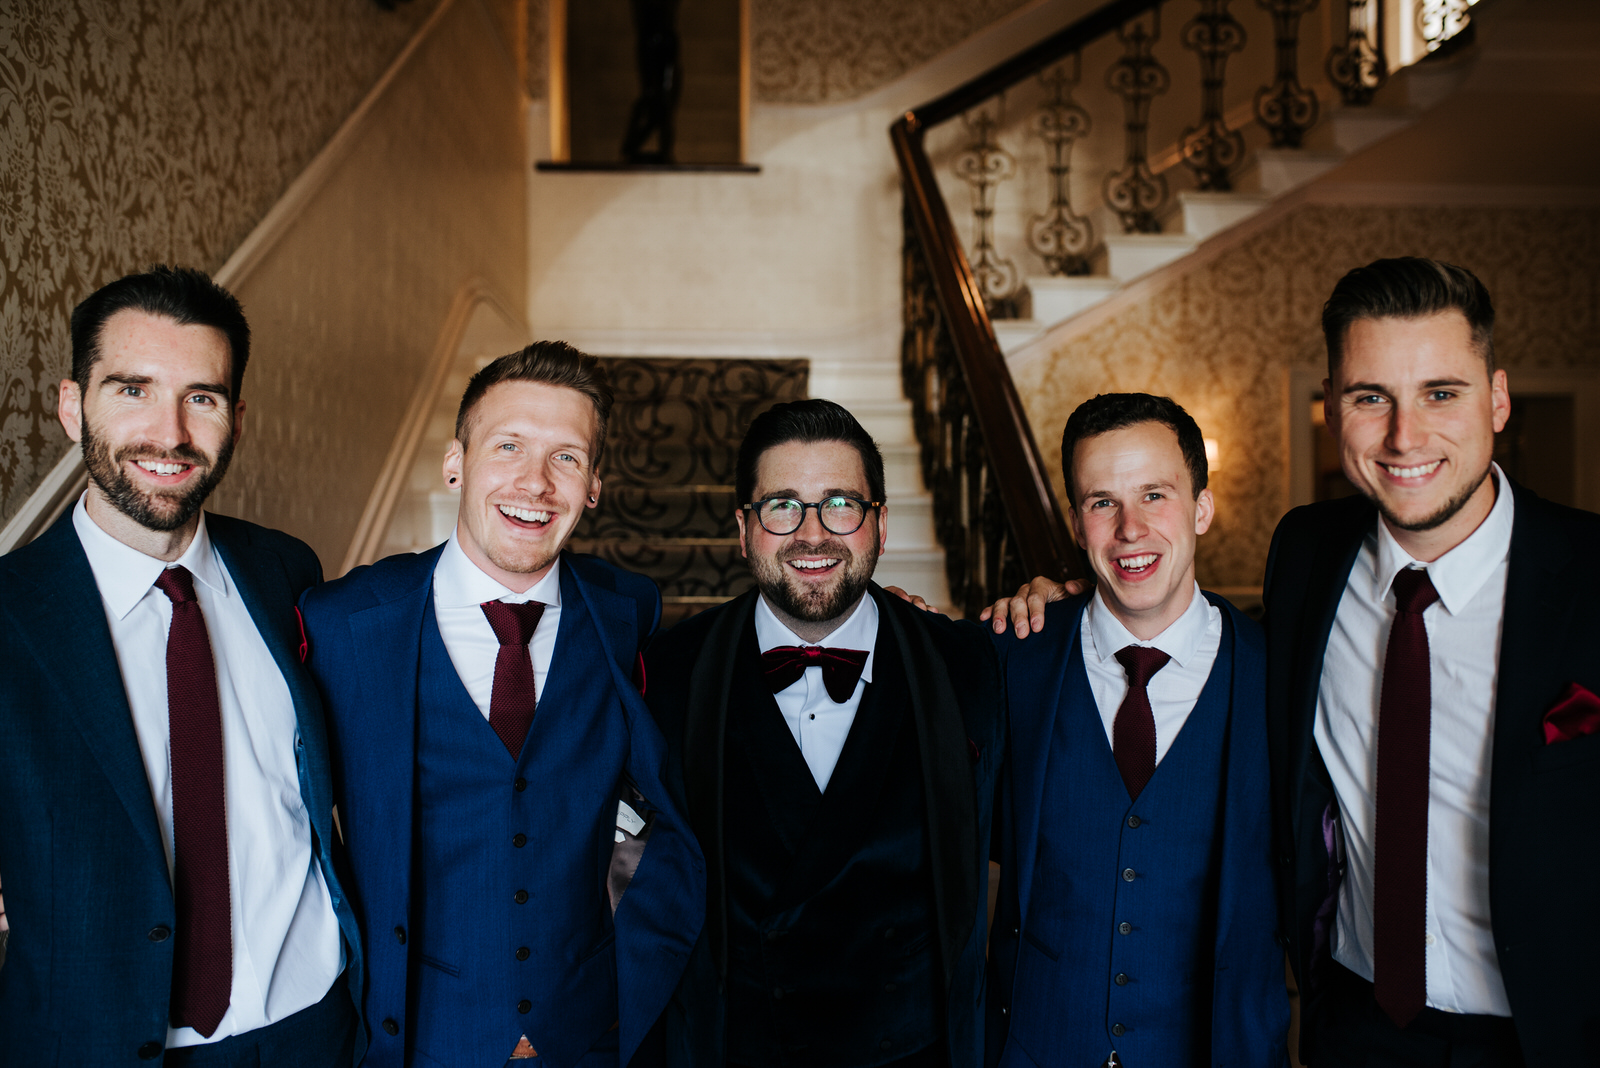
(784, 664)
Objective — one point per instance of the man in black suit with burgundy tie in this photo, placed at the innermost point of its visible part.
(1434, 655)
(837, 750)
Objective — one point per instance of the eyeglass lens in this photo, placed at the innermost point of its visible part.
(839, 515)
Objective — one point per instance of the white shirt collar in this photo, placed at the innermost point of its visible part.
(1180, 640)
(860, 631)
(124, 574)
(1461, 572)
(460, 583)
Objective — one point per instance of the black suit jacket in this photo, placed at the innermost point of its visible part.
(958, 706)
(1544, 816)
(89, 965)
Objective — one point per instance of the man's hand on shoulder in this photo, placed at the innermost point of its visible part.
(1024, 610)
(913, 599)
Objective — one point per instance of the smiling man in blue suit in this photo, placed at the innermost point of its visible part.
(167, 832)
(527, 887)
(1136, 914)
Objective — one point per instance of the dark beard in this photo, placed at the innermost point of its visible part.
(153, 511)
(819, 606)
(1439, 518)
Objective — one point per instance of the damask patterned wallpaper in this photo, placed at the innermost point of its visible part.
(1221, 340)
(136, 131)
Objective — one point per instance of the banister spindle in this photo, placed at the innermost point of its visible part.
(1209, 148)
(1061, 237)
(1440, 20)
(1134, 192)
(1286, 108)
(983, 164)
(1358, 66)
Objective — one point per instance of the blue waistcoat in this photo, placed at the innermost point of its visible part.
(512, 929)
(1118, 944)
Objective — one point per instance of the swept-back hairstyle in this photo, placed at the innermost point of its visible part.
(1114, 411)
(806, 421)
(1407, 288)
(553, 363)
(182, 294)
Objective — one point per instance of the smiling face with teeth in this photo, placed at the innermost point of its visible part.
(526, 475)
(812, 579)
(156, 425)
(1415, 410)
(1136, 517)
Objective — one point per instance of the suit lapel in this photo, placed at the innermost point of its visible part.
(705, 735)
(949, 791)
(85, 668)
(1031, 735)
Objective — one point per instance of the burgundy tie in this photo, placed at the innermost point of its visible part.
(841, 668)
(511, 701)
(1400, 861)
(202, 965)
(1133, 734)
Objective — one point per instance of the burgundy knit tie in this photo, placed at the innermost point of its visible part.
(511, 701)
(1400, 862)
(1133, 734)
(202, 965)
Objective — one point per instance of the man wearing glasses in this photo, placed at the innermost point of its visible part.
(837, 750)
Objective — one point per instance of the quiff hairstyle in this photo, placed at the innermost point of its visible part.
(553, 363)
(186, 296)
(1408, 287)
(1106, 412)
(808, 422)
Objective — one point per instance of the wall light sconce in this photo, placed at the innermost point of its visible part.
(1213, 454)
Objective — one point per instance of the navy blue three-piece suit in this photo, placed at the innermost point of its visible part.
(485, 882)
(1145, 926)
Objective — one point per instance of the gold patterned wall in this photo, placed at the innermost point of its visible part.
(136, 131)
(1221, 340)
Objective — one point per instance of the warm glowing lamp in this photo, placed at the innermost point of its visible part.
(1212, 453)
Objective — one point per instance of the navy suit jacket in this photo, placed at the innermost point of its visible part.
(1544, 800)
(365, 633)
(88, 968)
(1249, 1003)
(958, 705)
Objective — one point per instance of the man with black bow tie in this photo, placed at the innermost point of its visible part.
(837, 750)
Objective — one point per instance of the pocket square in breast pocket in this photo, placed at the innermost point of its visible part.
(1577, 714)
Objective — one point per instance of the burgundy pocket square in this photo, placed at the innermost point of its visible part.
(1577, 714)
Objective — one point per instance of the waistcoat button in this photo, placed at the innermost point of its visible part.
(1128, 874)
(522, 952)
(524, 1006)
(520, 897)
(160, 933)
(519, 840)
(1125, 927)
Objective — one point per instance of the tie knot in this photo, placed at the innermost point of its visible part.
(176, 583)
(513, 624)
(1413, 590)
(1141, 662)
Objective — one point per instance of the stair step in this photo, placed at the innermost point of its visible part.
(1354, 128)
(1275, 171)
(1057, 298)
(1130, 255)
(1012, 334)
(691, 567)
(1201, 214)
(889, 422)
(847, 381)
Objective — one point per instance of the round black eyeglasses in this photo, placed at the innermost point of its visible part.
(784, 515)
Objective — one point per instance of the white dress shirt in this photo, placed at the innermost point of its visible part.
(459, 589)
(1192, 641)
(1463, 974)
(819, 725)
(287, 950)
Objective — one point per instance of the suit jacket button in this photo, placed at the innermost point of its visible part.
(1118, 1030)
(400, 935)
(1122, 979)
(160, 933)
(150, 1051)
(519, 840)
(524, 1006)
(1128, 875)
(1125, 927)
(522, 952)
(520, 897)
(519, 784)
(1134, 821)
(390, 1027)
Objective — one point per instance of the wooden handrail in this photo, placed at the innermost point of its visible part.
(1042, 540)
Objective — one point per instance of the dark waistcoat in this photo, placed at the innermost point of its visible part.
(1120, 930)
(831, 959)
(511, 922)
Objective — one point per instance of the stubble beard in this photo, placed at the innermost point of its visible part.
(153, 511)
(1439, 518)
(816, 605)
